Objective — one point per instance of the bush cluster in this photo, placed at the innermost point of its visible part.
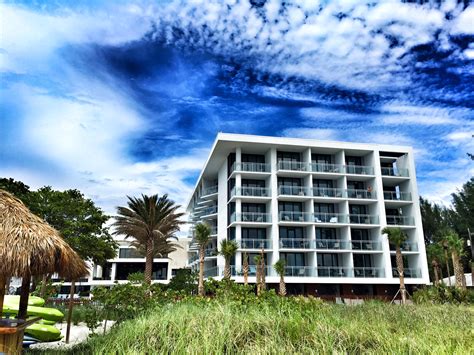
(442, 294)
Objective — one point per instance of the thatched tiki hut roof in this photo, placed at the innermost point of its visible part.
(29, 246)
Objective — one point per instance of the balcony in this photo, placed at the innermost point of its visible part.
(368, 272)
(300, 271)
(360, 194)
(211, 272)
(396, 196)
(193, 258)
(359, 170)
(327, 168)
(293, 165)
(210, 252)
(250, 191)
(296, 243)
(395, 172)
(400, 221)
(319, 217)
(406, 246)
(289, 216)
(328, 192)
(254, 217)
(208, 211)
(363, 219)
(365, 245)
(334, 271)
(293, 190)
(256, 244)
(332, 244)
(209, 191)
(407, 272)
(251, 167)
(237, 270)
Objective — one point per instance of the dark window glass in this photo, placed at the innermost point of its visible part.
(359, 234)
(254, 233)
(290, 206)
(129, 253)
(357, 209)
(159, 270)
(253, 183)
(231, 233)
(325, 233)
(254, 207)
(327, 259)
(293, 259)
(292, 232)
(253, 158)
(355, 185)
(289, 182)
(288, 156)
(321, 158)
(353, 160)
(323, 208)
(362, 260)
(323, 183)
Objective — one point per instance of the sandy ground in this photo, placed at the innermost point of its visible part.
(79, 333)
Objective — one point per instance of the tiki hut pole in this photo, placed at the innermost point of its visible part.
(69, 313)
(2, 293)
(24, 295)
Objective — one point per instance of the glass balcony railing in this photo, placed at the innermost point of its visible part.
(250, 191)
(251, 167)
(332, 244)
(363, 219)
(319, 217)
(358, 193)
(293, 165)
(395, 172)
(334, 271)
(368, 272)
(237, 270)
(396, 196)
(208, 211)
(407, 272)
(193, 258)
(296, 243)
(293, 190)
(210, 252)
(300, 271)
(289, 216)
(328, 192)
(359, 170)
(256, 244)
(406, 246)
(327, 168)
(209, 190)
(212, 272)
(365, 245)
(251, 217)
(400, 220)
(213, 230)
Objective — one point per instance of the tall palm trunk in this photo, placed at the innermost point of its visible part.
(44, 281)
(149, 261)
(401, 275)
(245, 269)
(262, 275)
(202, 252)
(435, 265)
(282, 290)
(447, 265)
(227, 269)
(458, 270)
(258, 278)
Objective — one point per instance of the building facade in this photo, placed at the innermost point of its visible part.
(319, 205)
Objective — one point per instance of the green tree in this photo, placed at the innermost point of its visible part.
(397, 237)
(151, 221)
(228, 248)
(202, 236)
(245, 267)
(456, 247)
(434, 219)
(279, 267)
(435, 255)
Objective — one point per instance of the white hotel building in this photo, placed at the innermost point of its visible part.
(319, 205)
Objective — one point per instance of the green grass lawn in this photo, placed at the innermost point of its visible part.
(290, 326)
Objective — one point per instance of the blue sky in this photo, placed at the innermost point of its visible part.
(119, 98)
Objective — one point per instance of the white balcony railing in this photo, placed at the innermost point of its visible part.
(395, 172)
(396, 196)
(255, 244)
(251, 167)
(400, 220)
(255, 217)
(250, 191)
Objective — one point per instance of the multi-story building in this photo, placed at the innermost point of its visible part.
(319, 205)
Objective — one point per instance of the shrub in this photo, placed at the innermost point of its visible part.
(442, 294)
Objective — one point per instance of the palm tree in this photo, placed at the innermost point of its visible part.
(152, 222)
(258, 277)
(435, 254)
(444, 244)
(279, 267)
(202, 236)
(245, 267)
(228, 248)
(456, 247)
(398, 237)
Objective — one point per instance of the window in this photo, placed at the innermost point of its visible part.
(252, 261)
(352, 161)
(129, 253)
(253, 183)
(323, 208)
(360, 234)
(253, 207)
(293, 259)
(357, 209)
(325, 233)
(326, 259)
(231, 233)
(253, 158)
(323, 183)
(292, 233)
(289, 182)
(355, 185)
(289, 157)
(321, 159)
(254, 233)
(290, 206)
(363, 260)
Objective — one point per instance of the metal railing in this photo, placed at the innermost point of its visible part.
(289, 216)
(300, 271)
(334, 271)
(210, 252)
(407, 272)
(237, 270)
(396, 196)
(296, 243)
(359, 169)
(358, 193)
(251, 167)
(400, 220)
(363, 219)
(368, 272)
(212, 272)
(255, 243)
(327, 168)
(251, 217)
(319, 217)
(208, 211)
(293, 190)
(332, 244)
(209, 190)
(328, 192)
(250, 191)
(406, 246)
(395, 172)
(365, 245)
(293, 165)
(193, 258)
